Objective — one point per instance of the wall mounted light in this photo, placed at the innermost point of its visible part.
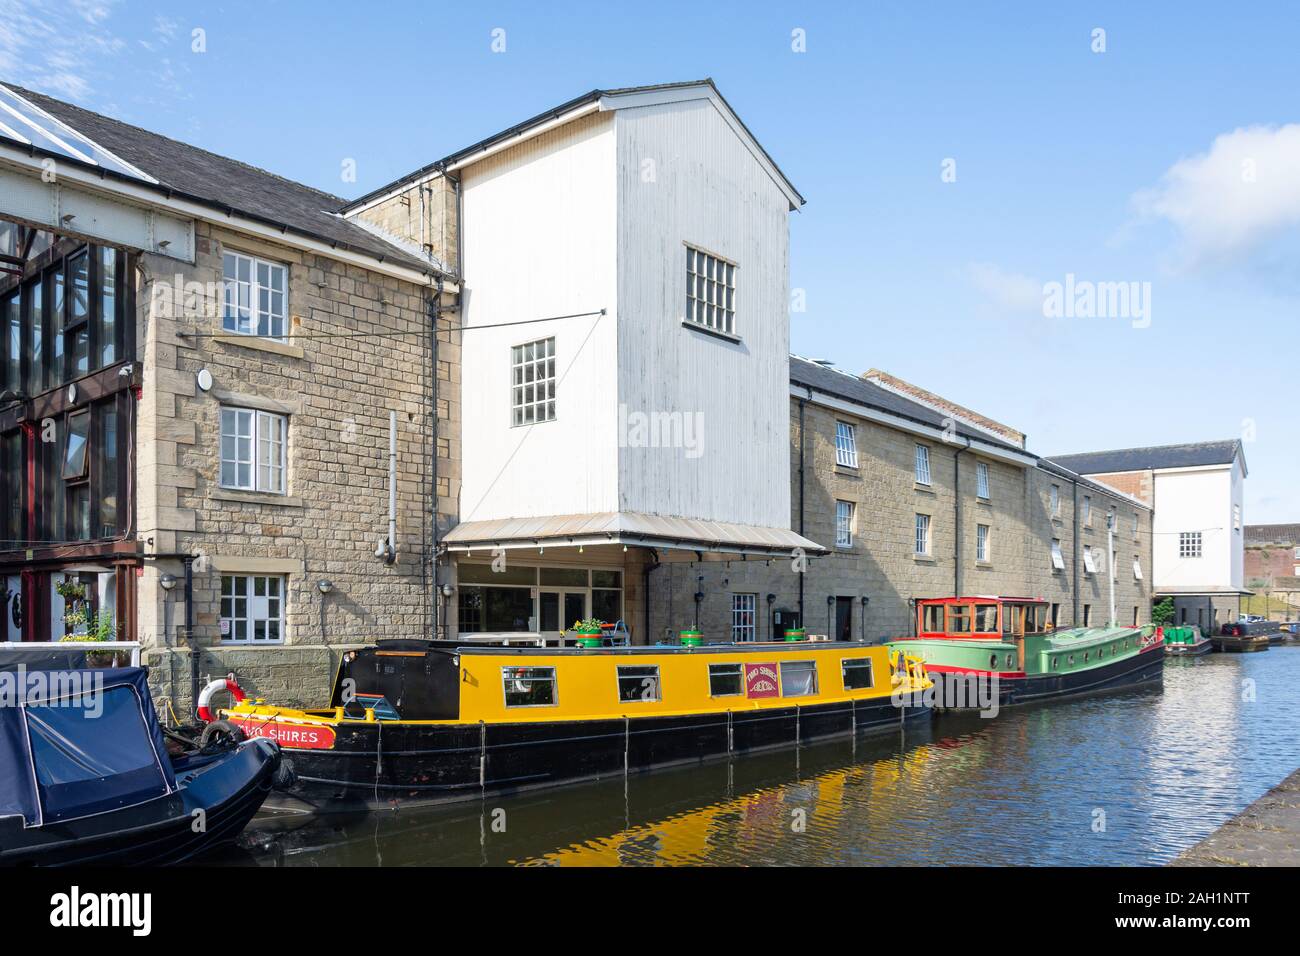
(324, 586)
(167, 581)
(447, 590)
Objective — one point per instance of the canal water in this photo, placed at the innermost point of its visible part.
(1126, 778)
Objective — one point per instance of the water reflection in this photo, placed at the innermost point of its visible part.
(1122, 779)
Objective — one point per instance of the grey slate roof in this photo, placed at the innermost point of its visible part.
(225, 184)
(854, 388)
(1161, 456)
(1265, 534)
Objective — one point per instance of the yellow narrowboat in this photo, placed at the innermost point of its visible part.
(427, 722)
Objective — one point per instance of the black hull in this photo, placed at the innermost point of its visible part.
(229, 789)
(1240, 645)
(377, 766)
(1143, 669)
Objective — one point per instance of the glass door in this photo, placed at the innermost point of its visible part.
(558, 610)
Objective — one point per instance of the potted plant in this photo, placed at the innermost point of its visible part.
(588, 631)
(100, 629)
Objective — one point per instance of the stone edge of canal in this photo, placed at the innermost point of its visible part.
(1266, 833)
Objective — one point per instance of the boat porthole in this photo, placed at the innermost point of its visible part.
(1010, 661)
(993, 662)
(1071, 660)
(1085, 657)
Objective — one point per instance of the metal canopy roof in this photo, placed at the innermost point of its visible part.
(627, 527)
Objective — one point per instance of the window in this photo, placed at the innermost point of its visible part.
(843, 524)
(743, 618)
(959, 619)
(76, 316)
(710, 291)
(640, 683)
(923, 534)
(1087, 620)
(1112, 520)
(1135, 526)
(74, 451)
(798, 678)
(846, 445)
(1137, 568)
(607, 596)
(1297, 554)
(1135, 620)
(529, 686)
(922, 465)
(1236, 517)
(1087, 511)
(857, 673)
(1189, 544)
(1054, 500)
(986, 618)
(932, 619)
(981, 542)
(1089, 562)
(254, 296)
(532, 377)
(12, 316)
(1056, 615)
(74, 471)
(1058, 559)
(981, 480)
(252, 609)
(253, 450)
(725, 680)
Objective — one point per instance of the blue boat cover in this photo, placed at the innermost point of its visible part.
(74, 743)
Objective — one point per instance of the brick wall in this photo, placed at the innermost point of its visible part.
(337, 391)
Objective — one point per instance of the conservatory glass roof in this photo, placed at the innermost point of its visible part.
(28, 124)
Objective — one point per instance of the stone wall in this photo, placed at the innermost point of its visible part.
(424, 215)
(336, 380)
(881, 564)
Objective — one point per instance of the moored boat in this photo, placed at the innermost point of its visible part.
(1238, 637)
(1184, 641)
(427, 722)
(87, 779)
(984, 650)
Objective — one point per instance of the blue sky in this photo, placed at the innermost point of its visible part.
(1167, 159)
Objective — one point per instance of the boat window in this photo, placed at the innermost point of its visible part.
(724, 680)
(1011, 619)
(933, 614)
(1071, 660)
(1056, 662)
(857, 673)
(1035, 618)
(959, 619)
(798, 678)
(986, 618)
(640, 683)
(1011, 662)
(529, 686)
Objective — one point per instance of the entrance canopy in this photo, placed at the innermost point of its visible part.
(628, 528)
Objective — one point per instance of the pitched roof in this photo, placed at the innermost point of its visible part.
(1265, 534)
(555, 113)
(854, 388)
(224, 184)
(1154, 458)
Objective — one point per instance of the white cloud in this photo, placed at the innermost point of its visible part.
(1231, 199)
(1007, 290)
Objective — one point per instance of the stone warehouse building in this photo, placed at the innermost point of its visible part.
(917, 497)
(203, 366)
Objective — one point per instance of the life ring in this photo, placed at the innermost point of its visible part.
(226, 683)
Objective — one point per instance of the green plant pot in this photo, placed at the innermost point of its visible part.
(796, 634)
(589, 639)
(691, 638)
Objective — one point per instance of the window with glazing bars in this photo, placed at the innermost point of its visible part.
(743, 618)
(710, 291)
(922, 534)
(843, 524)
(846, 445)
(922, 464)
(981, 479)
(1189, 544)
(532, 379)
(253, 450)
(252, 609)
(255, 296)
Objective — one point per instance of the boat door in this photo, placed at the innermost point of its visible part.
(557, 610)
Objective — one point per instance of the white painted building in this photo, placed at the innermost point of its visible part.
(625, 360)
(1198, 551)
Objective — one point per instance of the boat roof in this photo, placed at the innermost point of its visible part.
(982, 598)
(78, 742)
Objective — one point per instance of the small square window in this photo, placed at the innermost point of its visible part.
(532, 382)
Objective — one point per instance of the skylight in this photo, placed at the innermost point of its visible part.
(28, 124)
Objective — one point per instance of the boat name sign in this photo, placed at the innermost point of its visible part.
(761, 680)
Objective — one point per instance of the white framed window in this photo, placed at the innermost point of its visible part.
(922, 464)
(252, 608)
(844, 524)
(1058, 559)
(1189, 544)
(1087, 511)
(532, 382)
(1089, 560)
(255, 296)
(710, 291)
(1135, 525)
(253, 450)
(1236, 517)
(744, 620)
(981, 542)
(1296, 570)
(1137, 568)
(1054, 500)
(982, 480)
(846, 445)
(923, 534)
(1297, 554)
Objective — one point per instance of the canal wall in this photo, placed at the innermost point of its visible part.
(1266, 833)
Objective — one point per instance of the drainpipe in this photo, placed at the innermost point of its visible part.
(956, 518)
(188, 561)
(802, 403)
(435, 305)
(1077, 551)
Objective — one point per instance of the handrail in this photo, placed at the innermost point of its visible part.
(132, 646)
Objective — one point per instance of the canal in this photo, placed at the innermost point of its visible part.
(1129, 778)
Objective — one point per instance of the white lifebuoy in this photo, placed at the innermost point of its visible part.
(226, 683)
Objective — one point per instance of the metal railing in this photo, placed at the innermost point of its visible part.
(90, 647)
